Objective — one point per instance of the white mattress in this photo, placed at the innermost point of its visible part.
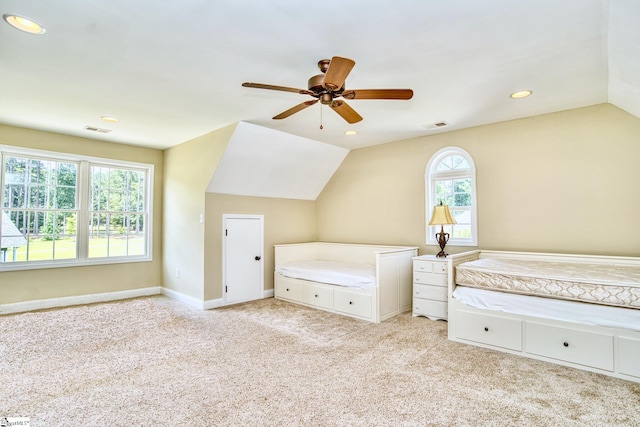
(569, 311)
(331, 272)
(609, 284)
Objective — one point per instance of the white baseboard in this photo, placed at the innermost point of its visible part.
(212, 303)
(41, 304)
(219, 302)
(179, 296)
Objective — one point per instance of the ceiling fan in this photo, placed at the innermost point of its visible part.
(329, 85)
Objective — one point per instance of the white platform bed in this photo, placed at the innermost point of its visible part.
(575, 310)
(367, 282)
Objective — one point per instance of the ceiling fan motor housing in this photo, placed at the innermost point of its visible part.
(316, 85)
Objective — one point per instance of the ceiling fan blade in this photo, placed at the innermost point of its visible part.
(272, 87)
(339, 69)
(295, 109)
(378, 94)
(347, 113)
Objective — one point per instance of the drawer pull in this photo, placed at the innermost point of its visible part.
(287, 289)
(316, 295)
(486, 329)
(350, 302)
(566, 344)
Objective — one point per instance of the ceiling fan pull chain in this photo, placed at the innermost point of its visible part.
(321, 117)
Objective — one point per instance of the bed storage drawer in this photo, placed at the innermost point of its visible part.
(318, 295)
(352, 303)
(288, 289)
(430, 308)
(629, 356)
(492, 330)
(584, 348)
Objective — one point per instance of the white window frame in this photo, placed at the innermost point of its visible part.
(431, 176)
(83, 199)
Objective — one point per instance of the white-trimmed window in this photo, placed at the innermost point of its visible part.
(61, 210)
(450, 178)
(117, 212)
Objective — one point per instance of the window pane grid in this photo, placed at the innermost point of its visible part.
(449, 178)
(40, 210)
(117, 212)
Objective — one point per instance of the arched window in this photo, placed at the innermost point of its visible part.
(450, 178)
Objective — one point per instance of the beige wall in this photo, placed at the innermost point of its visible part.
(562, 182)
(188, 170)
(285, 221)
(20, 286)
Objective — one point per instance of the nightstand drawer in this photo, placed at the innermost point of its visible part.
(438, 293)
(440, 267)
(423, 266)
(436, 267)
(430, 308)
(430, 279)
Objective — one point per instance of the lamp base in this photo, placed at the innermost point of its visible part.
(442, 254)
(443, 238)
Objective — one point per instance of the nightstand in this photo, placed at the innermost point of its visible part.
(430, 287)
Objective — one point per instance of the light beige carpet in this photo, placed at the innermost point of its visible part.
(155, 362)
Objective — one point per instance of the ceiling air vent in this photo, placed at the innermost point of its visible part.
(95, 129)
(436, 125)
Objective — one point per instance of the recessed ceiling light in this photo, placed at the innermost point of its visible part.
(351, 132)
(521, 94)
(110, 119)
(24, 24)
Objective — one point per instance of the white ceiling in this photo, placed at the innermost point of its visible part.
(172, 70)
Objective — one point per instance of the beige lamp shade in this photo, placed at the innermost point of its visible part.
(441, 215)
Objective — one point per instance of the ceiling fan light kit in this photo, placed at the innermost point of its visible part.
(329, 85)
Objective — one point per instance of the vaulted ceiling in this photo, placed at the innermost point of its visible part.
(171, 71)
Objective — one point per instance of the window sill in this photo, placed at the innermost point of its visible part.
(450, 243)
(24, 266)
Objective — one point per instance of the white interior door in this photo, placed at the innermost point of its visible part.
(243, 257)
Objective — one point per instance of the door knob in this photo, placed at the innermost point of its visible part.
(258, 258)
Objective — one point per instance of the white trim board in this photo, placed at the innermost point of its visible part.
(219, 302)
(183, 298)
(41, 304)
